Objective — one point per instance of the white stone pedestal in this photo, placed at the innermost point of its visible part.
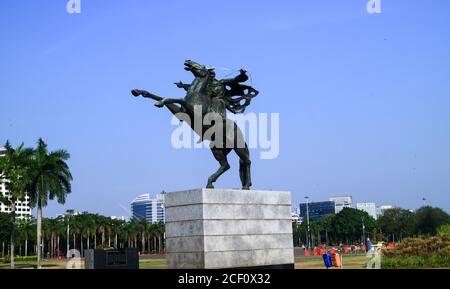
(216, 228)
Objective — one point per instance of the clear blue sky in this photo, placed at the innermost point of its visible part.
(364, 100)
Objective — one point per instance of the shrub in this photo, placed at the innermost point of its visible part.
(444, 229)
(416, 262)
(422, 252)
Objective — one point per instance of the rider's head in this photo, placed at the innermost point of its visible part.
(211, 72)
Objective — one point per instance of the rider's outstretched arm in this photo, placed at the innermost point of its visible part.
(183, 85)
(242, 77)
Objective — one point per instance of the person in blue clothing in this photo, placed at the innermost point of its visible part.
(368, 245)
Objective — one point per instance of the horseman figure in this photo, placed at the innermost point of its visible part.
(212, 97)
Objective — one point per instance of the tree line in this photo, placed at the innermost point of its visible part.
(41, 176)
(37, 173)
(352, 226)
(86, 231)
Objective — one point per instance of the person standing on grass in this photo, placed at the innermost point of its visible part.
(368, 245)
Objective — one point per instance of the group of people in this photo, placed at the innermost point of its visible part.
(367, 247)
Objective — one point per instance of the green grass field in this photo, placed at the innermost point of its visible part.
(357, 261)
(52, 264)
(301, 262)
(316, 262)
(152, 264)
(32, 264)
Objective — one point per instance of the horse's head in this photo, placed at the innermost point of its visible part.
(199, 70)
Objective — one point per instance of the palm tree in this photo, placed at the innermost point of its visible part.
(75, 228)
(93, 228)
(50, 179)
(151, 235)
(80, 232)
(325, 225)
(14, 168)
(53, 233)
(116, 229)
(45, 235)
(144, 229)
(103, 227)
(122, 232)
(160, 233)
(87, 228)
(101, 230)
(109, 229)
(60, 230)
(153, 232)
(26, 228)
(132, 230)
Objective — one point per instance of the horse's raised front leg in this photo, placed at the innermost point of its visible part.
(172, 107)
(145, 94)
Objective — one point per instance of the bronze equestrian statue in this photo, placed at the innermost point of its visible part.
(208, 99)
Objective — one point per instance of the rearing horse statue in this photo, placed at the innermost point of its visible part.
(208, 99)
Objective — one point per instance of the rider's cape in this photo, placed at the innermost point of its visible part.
(238, 96)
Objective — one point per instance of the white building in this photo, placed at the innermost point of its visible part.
(23, 209)
(295, 218)
(152, 209)
(341, 203)
(68, 213)
(382, 209)
(370, 208)
(120, 218)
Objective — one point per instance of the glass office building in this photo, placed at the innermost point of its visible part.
(151, 209)
(316, 210)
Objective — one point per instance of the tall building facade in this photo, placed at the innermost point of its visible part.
(316, 210)
(370, 208)
(23, 209)
(151, 209)
(341, 202)
(382, 209)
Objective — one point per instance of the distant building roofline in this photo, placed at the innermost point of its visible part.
(141, 198)
(147, 197)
